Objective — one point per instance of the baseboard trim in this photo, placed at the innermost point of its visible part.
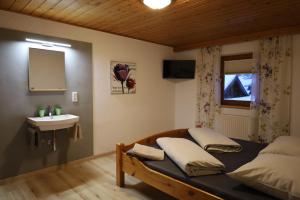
(53, 168)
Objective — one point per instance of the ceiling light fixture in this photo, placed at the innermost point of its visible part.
(157, 4)
(48, 43)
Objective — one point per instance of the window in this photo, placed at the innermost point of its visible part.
(236, 80)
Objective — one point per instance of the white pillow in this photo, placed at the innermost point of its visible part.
(285, 145)
(274, 174)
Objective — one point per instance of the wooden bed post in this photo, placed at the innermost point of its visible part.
(119, 165)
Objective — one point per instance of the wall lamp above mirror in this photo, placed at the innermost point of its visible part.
(48, 43)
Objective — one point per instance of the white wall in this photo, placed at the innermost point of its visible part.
(185, 92)
(117, 118)
(185, 96)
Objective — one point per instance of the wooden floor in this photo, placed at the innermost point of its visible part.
(88, 180)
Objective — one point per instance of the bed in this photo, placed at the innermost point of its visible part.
(167, 177)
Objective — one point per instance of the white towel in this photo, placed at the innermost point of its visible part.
(77, 132)
(191, 158)
(148, 152)
(213, 141)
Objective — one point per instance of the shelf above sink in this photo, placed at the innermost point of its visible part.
(54, 122)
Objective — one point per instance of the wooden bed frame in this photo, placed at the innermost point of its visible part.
(133, 167)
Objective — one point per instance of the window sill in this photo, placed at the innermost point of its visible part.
(236, 107)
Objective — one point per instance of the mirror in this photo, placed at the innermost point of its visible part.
(46, 70)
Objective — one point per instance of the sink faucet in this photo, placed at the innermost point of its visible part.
(50, 111)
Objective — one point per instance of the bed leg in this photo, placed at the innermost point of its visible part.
(119, 172)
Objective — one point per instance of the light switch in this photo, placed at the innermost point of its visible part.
(74, 96)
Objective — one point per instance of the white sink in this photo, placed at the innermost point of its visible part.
(53, 123)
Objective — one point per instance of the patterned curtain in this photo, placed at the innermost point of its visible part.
(255, 98)
(275, 71)
(208, 86)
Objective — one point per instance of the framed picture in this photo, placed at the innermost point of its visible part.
(122, 77)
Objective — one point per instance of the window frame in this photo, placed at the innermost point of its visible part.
(234, 103)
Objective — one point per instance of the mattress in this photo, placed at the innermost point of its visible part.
(219, 184)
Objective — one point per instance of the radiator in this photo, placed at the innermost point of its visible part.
(234, 126)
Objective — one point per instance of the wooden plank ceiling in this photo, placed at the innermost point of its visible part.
(185, 24)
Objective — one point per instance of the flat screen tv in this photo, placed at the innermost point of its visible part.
(179, 69)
